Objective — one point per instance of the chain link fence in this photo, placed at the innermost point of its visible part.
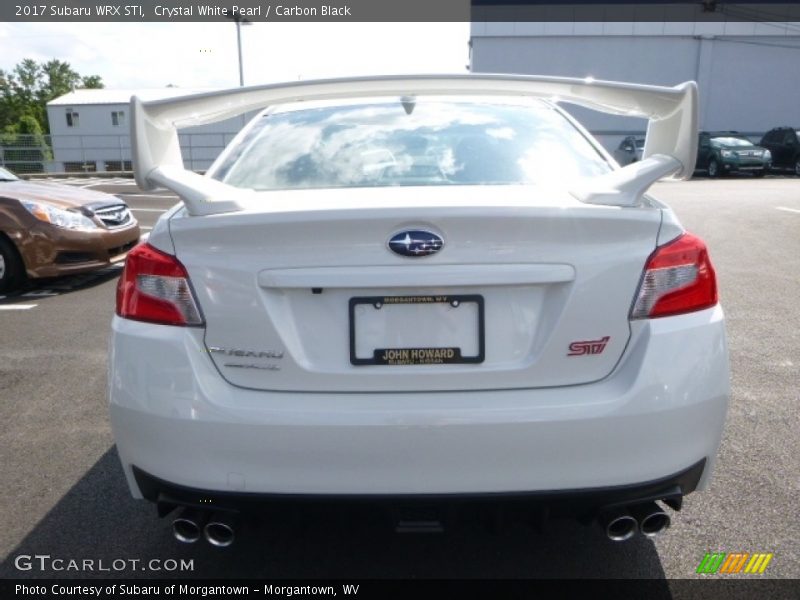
(25, 153)
(30, 154)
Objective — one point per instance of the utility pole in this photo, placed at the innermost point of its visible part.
(240, 21)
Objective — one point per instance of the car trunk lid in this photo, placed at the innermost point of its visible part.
(530, 289)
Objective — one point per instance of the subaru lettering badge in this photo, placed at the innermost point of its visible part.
(415, 243)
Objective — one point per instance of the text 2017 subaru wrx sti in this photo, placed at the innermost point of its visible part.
(418, 288)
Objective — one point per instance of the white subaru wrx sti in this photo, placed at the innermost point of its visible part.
(418, 288)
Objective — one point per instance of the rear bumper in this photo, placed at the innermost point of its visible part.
(660, 411)
(580, 503)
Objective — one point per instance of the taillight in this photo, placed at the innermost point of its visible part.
(678, 278)
(154, 287)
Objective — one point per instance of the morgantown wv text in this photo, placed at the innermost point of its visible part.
(182, 590)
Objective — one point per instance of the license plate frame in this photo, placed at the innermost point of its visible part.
(423, 355)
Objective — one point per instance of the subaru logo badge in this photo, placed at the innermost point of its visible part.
(415, 243)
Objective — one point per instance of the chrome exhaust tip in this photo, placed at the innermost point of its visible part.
(220, 531)
(651, 518)
(618, 524)
(188, 525)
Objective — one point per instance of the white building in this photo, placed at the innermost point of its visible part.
(90, 131)
(747, 73)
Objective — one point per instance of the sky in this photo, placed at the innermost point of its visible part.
(203, 55)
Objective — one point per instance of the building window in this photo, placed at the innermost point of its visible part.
(72, 118)
(118, 165)
(80, 167)
(118, 118)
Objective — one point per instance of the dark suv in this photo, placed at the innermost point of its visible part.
(784, 144)
(723, 152)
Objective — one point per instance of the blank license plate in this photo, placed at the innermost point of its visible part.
(416, 330)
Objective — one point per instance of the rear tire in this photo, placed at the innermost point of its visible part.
(760, 173)
(12, 273)
(797, 166)
(713, 168)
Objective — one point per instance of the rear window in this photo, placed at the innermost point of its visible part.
(416, 143)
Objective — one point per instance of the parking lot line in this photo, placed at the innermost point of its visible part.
(158, 210)
(18, 306)
(784, 208)
(94, 183)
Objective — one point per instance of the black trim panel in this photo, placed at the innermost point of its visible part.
(579, 502)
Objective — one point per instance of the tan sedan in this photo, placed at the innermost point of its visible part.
(47, 230)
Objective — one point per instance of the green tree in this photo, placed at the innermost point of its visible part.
(29, 86)
(56, 79)
(92, 82)
(25, 146)
(29, 126)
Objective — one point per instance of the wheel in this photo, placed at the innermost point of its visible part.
(11, 272)
(797, 166)
(713, 168)
(760, 173)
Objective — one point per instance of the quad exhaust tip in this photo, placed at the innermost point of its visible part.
(220, 531)
(651, 518)
(188, 525)
(191, 524)
(619, 525)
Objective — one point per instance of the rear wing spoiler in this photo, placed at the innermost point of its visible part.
(670, 145)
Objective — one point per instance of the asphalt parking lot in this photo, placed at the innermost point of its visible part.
(64, 494)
